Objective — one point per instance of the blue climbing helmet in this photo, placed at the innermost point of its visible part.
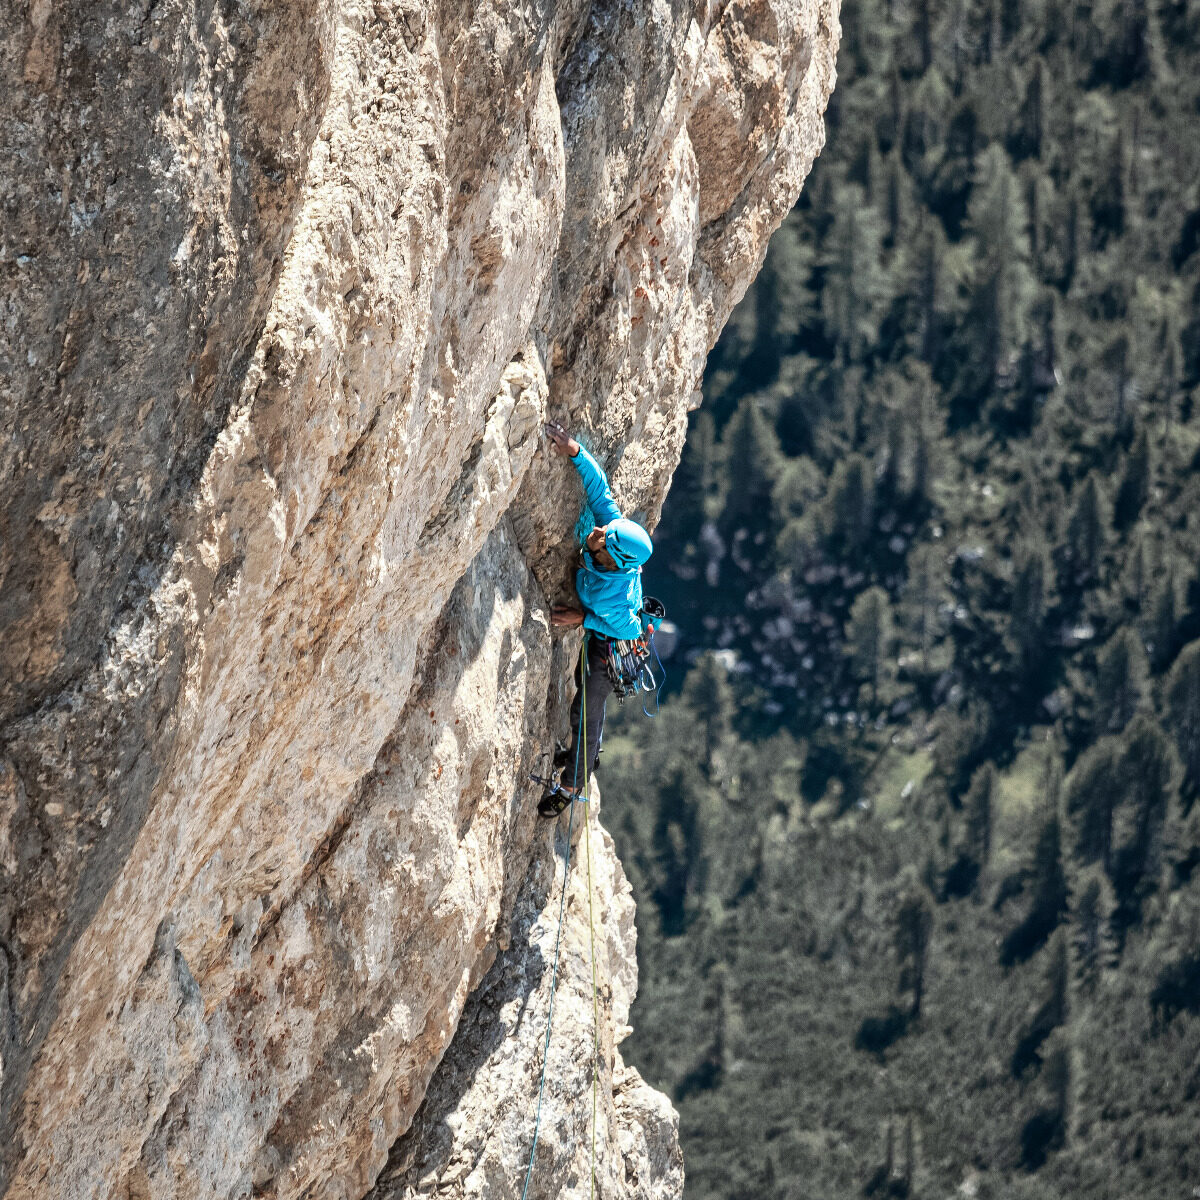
(627, 542)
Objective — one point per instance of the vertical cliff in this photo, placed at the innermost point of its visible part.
(288, 287)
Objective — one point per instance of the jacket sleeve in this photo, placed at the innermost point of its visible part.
(595, 486)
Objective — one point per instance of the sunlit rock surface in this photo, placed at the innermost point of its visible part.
(288, 288)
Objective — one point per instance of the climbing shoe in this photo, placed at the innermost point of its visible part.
(552, 803)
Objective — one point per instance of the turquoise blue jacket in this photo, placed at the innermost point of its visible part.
(613, 599)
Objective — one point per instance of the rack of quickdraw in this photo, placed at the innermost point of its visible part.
(628, 666)
(627, 661)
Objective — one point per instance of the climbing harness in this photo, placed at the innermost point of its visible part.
(555, 789)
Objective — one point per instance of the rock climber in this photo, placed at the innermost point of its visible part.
(609, 584)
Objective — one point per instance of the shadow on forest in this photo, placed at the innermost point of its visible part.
(876, 1035)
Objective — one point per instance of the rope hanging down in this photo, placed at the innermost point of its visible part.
(587, 841)
(581, 742)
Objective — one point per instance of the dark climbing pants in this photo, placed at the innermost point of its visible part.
(598, 687)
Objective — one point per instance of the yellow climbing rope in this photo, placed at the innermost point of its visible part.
(537, 1121)
(587, 841)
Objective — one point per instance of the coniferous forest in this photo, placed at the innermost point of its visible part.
(915, 838)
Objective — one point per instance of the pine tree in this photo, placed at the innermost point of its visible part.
(1181, 702)
(925, 427)
(979, 814)
(1154, 324)
(854, 290)
(1051, 1013)
(1122, 671)
(1164, 617)
(717, 1056)
(694, 494)
(1087, 532)
(1030, 126)
(1030, 598)
(784, 304)
(751, 468)
(1002, 286)
(924, 593)
(1135, 483)
(850, 506)
(708, 696)
(1138, 573)
(1148, 781)
(682, 861)
(869, 639)
(1134, 48)
(897, 201)
(925, 273)
(1108, 199)
(1093, 907)
(912, 938)
(1048, 881)
(1047, 1129)
(1093, 793)
(923, 29)
(925, 125)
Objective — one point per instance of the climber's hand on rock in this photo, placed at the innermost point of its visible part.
(568, 618)
(564, 443)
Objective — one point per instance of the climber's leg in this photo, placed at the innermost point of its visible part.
(599, 688)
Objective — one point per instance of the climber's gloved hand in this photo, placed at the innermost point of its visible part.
(567, 618)
(564, 443)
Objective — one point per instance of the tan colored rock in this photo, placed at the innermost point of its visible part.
(290, 287)
(474, 1134)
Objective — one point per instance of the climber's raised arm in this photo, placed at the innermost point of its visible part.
(595, 482)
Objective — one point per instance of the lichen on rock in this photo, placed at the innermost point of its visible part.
(290, 287)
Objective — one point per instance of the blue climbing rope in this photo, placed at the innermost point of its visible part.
(657, 689)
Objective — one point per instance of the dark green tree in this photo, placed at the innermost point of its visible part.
(720, 1011)
(924, 594)
(1093, 794)
(695, 485)
(1149, 782)
(1047, 1129)
(1163, 619)
(784, 303)
(1002, 285)
(1135, 483)
(1032, 582)
(709, 698)
(1050, 1013)
(850, 506)
(912, 939)
(1087, 532)
(1139, 572)
(1181, 704)
(1092, 908)
(869, 637)
(1122, 672)
(680, 875)
(1029, 128)
(1048, 891)
(979, 815)
(854, 292)
(752, 464)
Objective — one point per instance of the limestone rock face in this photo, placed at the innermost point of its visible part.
(288, 288)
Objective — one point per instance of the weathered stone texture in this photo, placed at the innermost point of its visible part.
(287, 289)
